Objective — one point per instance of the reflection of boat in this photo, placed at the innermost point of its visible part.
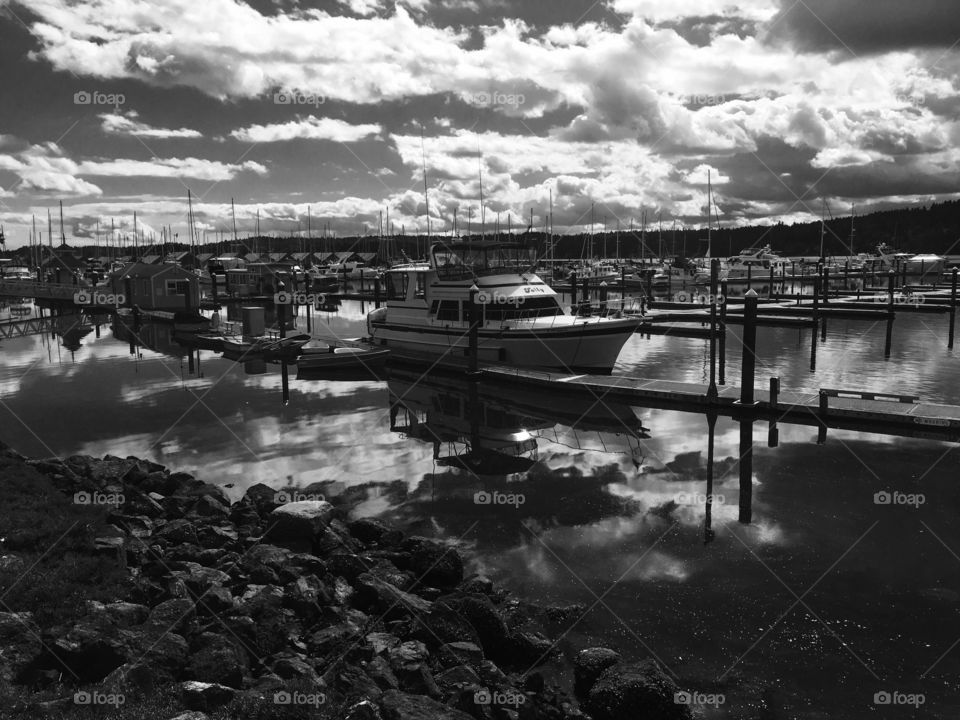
(323, 356)
(521, 321)
(500, 426)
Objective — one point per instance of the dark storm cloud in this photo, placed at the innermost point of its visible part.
(866, 26)
(701, 31)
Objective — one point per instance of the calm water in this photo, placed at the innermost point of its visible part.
(824, 599)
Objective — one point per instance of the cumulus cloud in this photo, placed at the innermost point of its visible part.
(127, 124)
(309, 128)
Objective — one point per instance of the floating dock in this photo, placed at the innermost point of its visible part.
(866, 412)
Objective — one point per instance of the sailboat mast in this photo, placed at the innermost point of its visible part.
(426, 195)
(709, 215)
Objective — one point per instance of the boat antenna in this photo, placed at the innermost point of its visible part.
(426, 196)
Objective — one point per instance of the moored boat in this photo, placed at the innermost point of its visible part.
(521, 322)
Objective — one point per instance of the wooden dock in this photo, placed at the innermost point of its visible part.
(821, 409)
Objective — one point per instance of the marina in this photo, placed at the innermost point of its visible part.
(461, 360)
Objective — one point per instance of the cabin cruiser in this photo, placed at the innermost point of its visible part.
(521, 321)
(753, 263)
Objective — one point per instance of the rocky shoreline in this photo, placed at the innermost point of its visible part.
(265, 609)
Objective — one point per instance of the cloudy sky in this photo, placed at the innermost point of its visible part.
(116, 106)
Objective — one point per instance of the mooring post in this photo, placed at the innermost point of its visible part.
(586, 295)
(650, 283)
(816, 298)
(822, 432)
(623, 287)
(953, 307)
(281, 320)
(891, 280)
(376, 292)
(749, 362)
(749, 276)
(772, 278)
(473, 371)
(826, 285)
(573, 292)
(603, 298)
(714, 277)
(723, 334)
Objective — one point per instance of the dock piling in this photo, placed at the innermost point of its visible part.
(749, 362)
(474, 338)
(573, 292)
(953, 308)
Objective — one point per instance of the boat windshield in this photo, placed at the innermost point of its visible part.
(464, 261)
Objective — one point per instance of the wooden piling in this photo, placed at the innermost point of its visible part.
(473, 371)
(953, 307)
(749, 362)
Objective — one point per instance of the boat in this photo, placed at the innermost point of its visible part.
(750, 264)
(288, 346)
(331, 356)
(521, 322)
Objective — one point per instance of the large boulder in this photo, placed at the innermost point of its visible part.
(297, 525)
(491, 630)
(589, 664)
(432, 562)
(627, 691)
(20, 645)
(205, 696)
(219, 661)
(177, 615)
(389, 599)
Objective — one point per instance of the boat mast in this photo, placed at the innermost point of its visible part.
(483, 212)
(709, 214)
(426, 196)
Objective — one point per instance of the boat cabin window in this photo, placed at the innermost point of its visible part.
(396, 286)
(421, 290)
(448, 310)
(530, 308)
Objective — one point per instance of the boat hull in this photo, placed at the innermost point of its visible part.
(591, 345)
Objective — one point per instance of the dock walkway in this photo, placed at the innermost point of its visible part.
(916, 419)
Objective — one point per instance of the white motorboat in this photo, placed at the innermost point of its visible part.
(521, 322)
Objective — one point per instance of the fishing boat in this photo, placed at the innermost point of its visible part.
(318, 355)
(519, 317)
